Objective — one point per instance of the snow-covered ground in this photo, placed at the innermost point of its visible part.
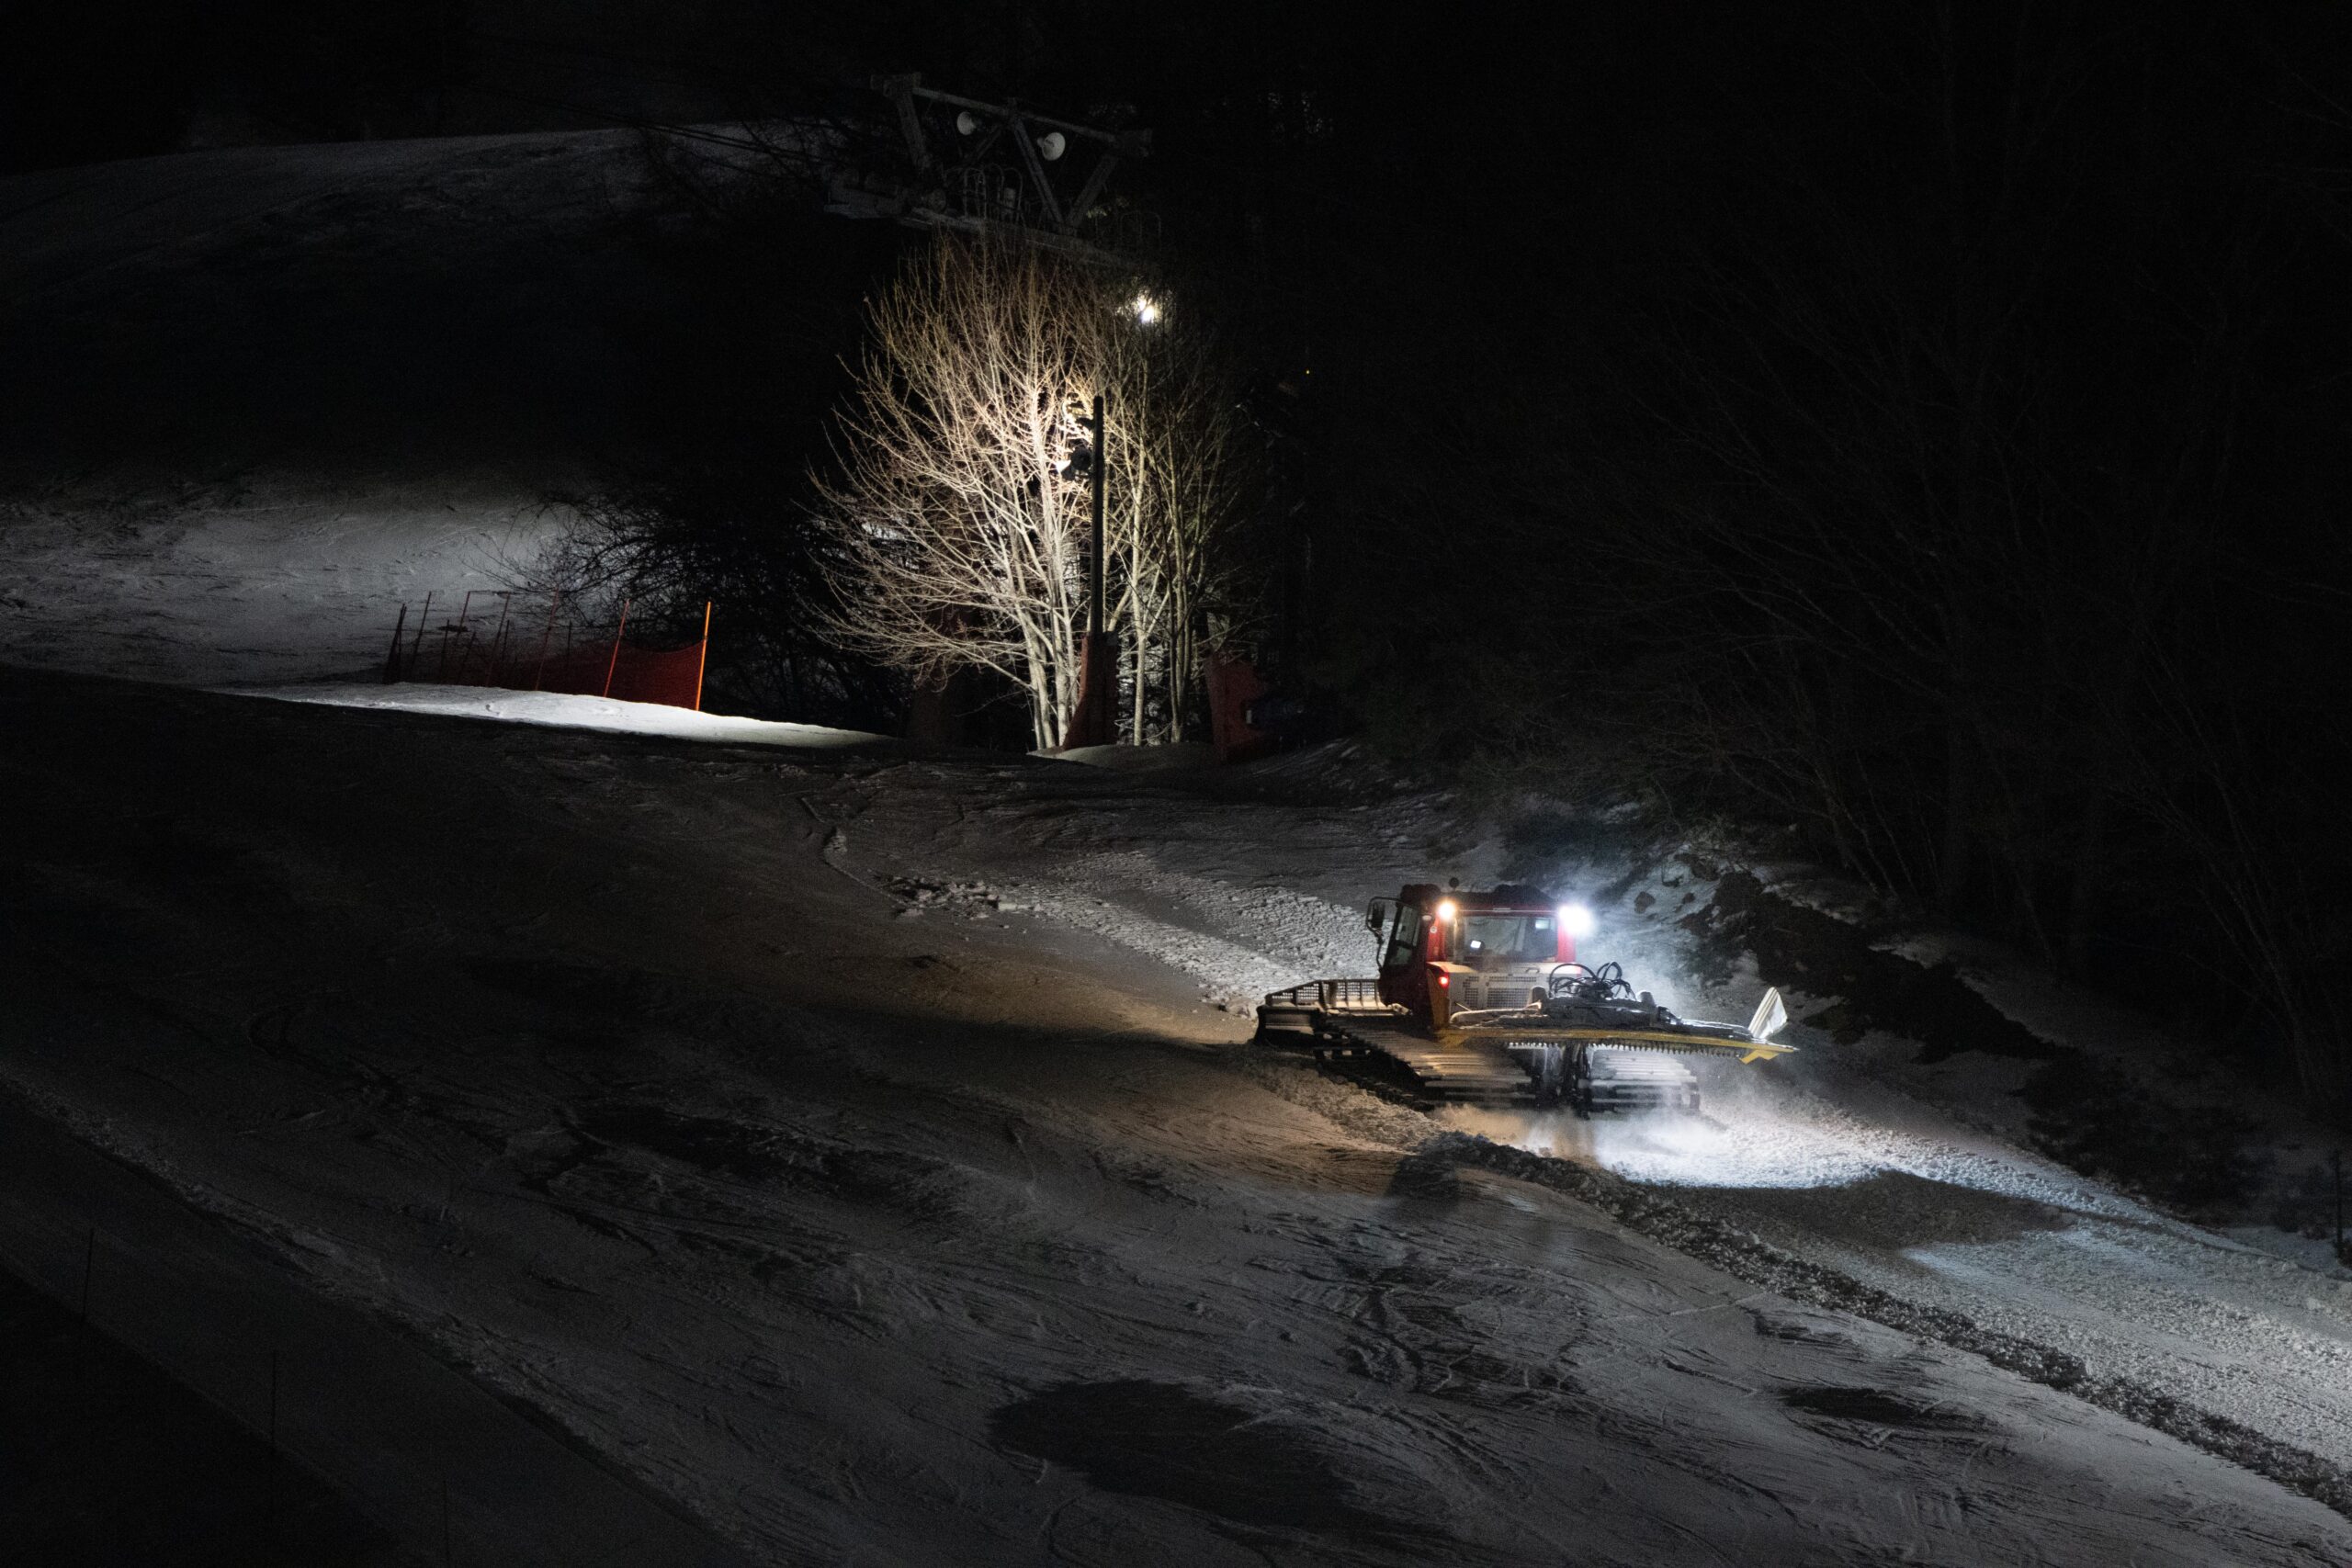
(253, 400)
(860, 1147)
(850, 1145)
(564, 710)
(1839, 1155)
(262, 586)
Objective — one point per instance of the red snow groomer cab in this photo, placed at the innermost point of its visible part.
(1481, 997)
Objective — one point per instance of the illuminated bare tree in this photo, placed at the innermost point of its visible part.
(959, 517)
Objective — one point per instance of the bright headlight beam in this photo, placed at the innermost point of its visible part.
(1446, 910)
(1575, 920)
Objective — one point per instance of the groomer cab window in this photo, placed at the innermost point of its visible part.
(1405, 934)
(1484, 939)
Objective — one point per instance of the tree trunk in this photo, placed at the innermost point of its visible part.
(1179, 673)
(1136, 723)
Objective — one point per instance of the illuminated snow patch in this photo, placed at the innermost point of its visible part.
(564, 710)
(1681, 1151)
(1749, 1150)
(1768, 1139)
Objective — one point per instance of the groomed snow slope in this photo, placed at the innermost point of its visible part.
(254, 399)
(847, 1144)
(280, 580)
(565, 710)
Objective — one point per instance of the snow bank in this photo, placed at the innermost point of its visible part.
(565, 711)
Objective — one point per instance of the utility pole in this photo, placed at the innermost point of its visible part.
(1095, 620)
(1098, 658)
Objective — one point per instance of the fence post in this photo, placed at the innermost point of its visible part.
(417, 648)
(613, 662)
(702, 660)
(393, 659)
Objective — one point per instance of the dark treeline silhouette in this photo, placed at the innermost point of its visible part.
(1920, 429)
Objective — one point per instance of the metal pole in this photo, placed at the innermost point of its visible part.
(1095, 622)
(400, 636)
(2336, 1160)
(701, 659)
(418, 646)
(613, 662)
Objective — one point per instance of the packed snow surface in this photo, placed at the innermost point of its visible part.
(255, 400)
(863, 1148)
(567, 710)
(256, 586)
(860, 1148)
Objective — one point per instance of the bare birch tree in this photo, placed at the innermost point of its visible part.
(959, 511)
(960, 526)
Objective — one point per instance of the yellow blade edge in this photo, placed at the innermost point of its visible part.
(1745, 1050)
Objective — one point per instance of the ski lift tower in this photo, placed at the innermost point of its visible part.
(995, 174)
(972, 165)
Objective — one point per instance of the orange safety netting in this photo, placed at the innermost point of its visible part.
(509, 653)
(630, 674)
